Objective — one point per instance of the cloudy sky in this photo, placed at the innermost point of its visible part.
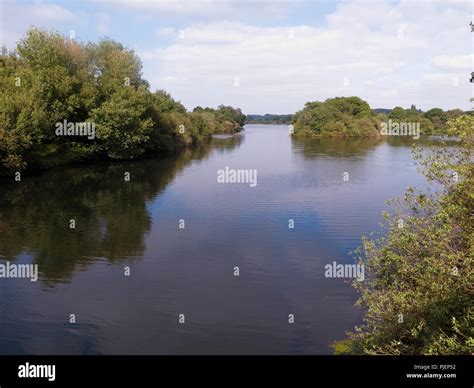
(271, 56)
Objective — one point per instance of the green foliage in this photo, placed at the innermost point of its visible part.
(113, 67)
(123, 123)
(433, 121)
(226, 118)
(164, 103)
(417, 292)
(398, 113)
(437, 117)
(453, 113)
(49, 79)
(336, 117)
(413, 116)
(269, 119)
(231, 114)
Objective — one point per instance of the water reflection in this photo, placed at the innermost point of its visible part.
(424, 141)
(191, 271)
(314, 148)
(110, 214)
(226, 144)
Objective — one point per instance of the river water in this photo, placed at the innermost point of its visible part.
(133, 228)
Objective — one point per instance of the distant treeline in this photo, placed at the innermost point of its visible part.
(437, 116)
(269, 119)
(352, 117)
(64, 101)
(228, 118)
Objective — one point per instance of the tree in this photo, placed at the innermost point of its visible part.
(124, 123)
(231, 114)
(417, 291)
(336, 117)
(398, 113)
(50, 79)
(353, 106)
(453, 113)
(45, 81)
(114, 67)
(437, 117)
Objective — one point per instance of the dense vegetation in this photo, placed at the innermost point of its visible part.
(352, 117)
(269, 119)
(434, 121)
(336, 117)
(50, 79)
(223, 119)
(418, 288)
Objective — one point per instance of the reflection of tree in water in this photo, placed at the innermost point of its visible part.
(224, 145)
(404, 141)
(111, 214)
(312, 148)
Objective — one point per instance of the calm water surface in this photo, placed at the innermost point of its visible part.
(190, 271)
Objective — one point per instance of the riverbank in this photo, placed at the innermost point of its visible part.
(97, 107)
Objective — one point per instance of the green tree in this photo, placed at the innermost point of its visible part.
(124, 123)
(398, 113)
(113, 67)
(438, 117)
(336, 117)
(50, 79)
(417, 291)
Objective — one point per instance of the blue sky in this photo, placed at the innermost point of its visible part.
(273, 56)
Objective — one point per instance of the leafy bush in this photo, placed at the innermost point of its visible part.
(336, 117)
(418, 287)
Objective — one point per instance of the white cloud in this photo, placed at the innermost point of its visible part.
(45, 12)
(16, 18)
(210, 9)
(103, 23)
(455, 62)
(280, 68)
(387, 53)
